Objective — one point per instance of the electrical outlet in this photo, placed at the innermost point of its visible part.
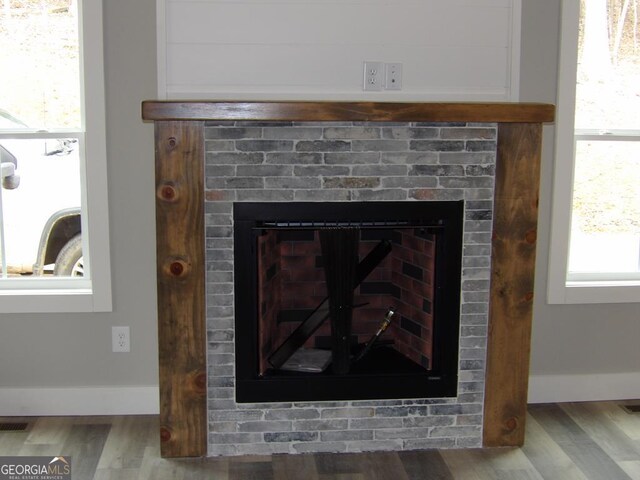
(393, 76)
(373, 76)
(120, 339)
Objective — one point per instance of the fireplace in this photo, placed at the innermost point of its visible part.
(316, 282)
(411, 164)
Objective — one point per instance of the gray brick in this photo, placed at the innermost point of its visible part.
(352, 158)
(263, 449)
(220, 266)
(401, 411)
(220, 170)
(219, 288)
(218, 207)
(264, 145)
(436, 145)
(320, 170)
(327, 195)
(468, 133)
(292, 182)
(379, 195)
(219, 146)
(436, 194)
(212, 219)
(469, 442)
(480, 170)
(265, 196)
(402, 158)
(231, 133)
(320, 447)
(221, 336)
(468, 420)
(265, 170)
(222, 427)
(464, 431)
(223, 231)
(472, 387)
(480, 146)
(235, 415)
(292, 133)
(375, 423)
(351, 133)
(428, 443)
(379, 170)
(476, 397)
(404, 133)
(476, 262)
(472, 342)
(401, 433)
(234, 182)
(323, 146)
(466, 182)
(318, 425)
(294, 158)
(477, 237)
(234, 158)
(428, 421)
(351, 182)
(215, 277)
(291, 437)
(225, 438)
(478, 194)
(455, 409)
(222, 370)
(437, 170)
(375, 446)
(379, 145)
(346, 435)
(347, 412)
(219, 254)
(471, 364)
(293, 414)
(459, 158)
(264, 426)
(467, 331)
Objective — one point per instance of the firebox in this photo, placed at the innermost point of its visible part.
(347, 300)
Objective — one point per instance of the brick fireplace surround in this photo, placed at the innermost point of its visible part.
(212, 154)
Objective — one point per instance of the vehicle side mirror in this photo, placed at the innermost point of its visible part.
(8, 165)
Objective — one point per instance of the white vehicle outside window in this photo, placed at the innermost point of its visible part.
(54, 252)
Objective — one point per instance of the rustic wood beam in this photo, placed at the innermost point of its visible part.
(181, 288)
(349, 111)
(513, 260)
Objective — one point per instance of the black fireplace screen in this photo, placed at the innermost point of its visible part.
(347, 300)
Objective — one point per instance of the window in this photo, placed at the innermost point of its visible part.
(54, 233)
(595, 240)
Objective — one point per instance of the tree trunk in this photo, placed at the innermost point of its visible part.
(619, 30)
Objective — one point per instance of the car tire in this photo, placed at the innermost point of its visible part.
(69, 260)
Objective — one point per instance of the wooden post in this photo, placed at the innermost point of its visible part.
(512, 276)
(181, 288)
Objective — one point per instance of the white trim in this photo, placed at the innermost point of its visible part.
(141, 400)
(584, 388)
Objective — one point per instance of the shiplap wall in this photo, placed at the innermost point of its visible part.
(315, 49)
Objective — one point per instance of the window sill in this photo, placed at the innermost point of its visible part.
(595, 292)
(54, 301)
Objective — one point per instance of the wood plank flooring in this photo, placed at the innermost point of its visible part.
(594, 441)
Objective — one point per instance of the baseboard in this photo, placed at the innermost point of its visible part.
(584, 388)
(138, 400)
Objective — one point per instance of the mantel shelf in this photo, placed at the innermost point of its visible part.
(348, 111)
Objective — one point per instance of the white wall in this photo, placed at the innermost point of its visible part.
(573, 346)
(315, 49)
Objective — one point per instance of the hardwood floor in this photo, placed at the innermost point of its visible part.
(564, 441)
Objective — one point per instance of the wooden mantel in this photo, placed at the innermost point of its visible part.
(179, 139)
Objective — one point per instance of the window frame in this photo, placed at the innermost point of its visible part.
(561, 290)
(68, 295)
